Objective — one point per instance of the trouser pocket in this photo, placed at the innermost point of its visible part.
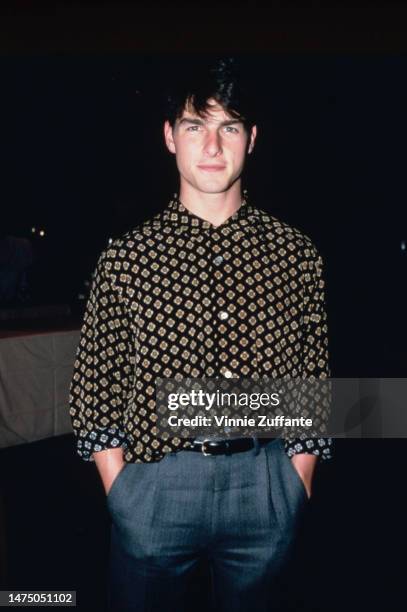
(294, 475)
(131, 507)
(116, 482)
(287, 490)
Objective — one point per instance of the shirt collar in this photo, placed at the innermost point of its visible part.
(246, 217)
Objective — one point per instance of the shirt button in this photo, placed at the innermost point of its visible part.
(218, 260)
(223, 315)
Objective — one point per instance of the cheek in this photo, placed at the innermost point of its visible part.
(185, 154)
(237, 156)
(183, 161)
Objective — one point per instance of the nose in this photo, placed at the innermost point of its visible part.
(213, 144)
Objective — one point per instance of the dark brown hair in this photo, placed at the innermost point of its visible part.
(197, 80)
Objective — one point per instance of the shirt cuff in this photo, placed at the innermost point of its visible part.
(98, 440)
(322, 447)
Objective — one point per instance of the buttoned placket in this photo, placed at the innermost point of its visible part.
(215, 239)
(215, 318)
(217, 289)
(217, 321)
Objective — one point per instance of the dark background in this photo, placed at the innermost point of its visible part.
(83, 158)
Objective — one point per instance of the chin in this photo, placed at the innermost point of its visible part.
(213, 189)
(213, 186)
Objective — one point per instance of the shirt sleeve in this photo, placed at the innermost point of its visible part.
(315, 358)
(103, 369)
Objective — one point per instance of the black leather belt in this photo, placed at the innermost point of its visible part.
(226, 447)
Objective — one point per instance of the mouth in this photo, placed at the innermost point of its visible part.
(211, 168)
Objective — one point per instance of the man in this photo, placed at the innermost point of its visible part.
(210, 287)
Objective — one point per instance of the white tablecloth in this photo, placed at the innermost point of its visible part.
(35, 374)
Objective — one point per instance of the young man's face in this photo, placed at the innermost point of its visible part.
(210, 151)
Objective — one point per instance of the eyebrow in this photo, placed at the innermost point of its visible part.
(201, 122)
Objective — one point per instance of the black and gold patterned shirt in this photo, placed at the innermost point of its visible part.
(178, 295)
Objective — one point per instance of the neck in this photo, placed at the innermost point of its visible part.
(212, 207)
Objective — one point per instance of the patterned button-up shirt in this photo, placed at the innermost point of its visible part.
(178, 295)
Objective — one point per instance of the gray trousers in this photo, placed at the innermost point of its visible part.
(239, 511)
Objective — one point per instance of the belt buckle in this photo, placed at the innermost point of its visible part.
(205, 454)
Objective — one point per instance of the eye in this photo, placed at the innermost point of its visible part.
(231, 129)
(193, 128)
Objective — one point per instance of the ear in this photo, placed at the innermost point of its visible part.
(252, 138)
(168, 136)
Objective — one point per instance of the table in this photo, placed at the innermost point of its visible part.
(35, 374)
